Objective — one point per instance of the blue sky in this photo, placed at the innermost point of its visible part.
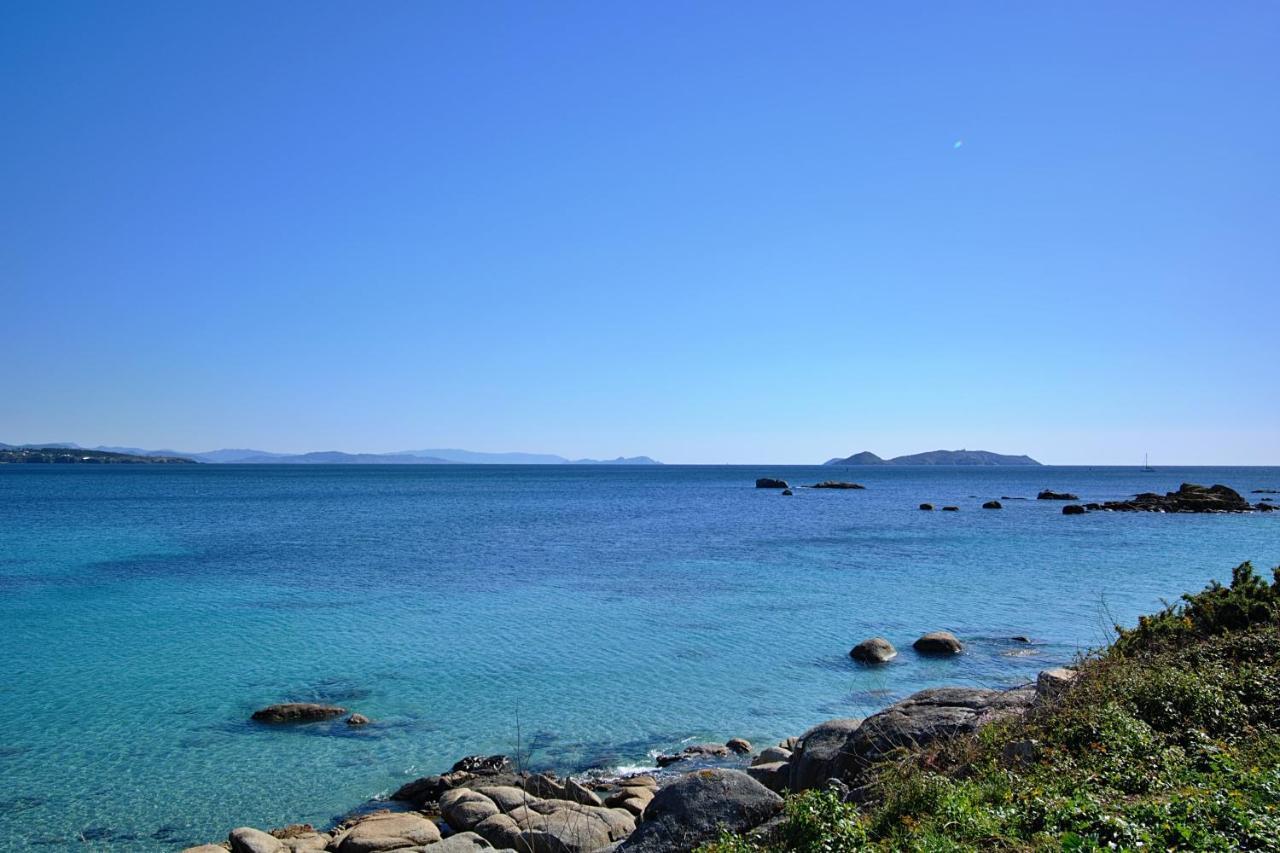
(707, 232)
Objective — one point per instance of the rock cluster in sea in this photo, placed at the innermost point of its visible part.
(1188, 498)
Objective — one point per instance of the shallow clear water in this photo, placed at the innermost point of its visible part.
(604, 613)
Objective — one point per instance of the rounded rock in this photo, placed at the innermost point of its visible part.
(874, 650)
(938, 643)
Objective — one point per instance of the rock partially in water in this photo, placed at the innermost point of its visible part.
(770, 483)
(738, 745)
(697, 807)
(297, 712)
(874, 650)
(697, 750)
(992, 505)
(1073, 509)
(926, 507)
(951, 509)
(482, 764)
(1188, 498)
(1048, 495)
(837, 484)
(357, 720)
(788, 492)
(938, 643)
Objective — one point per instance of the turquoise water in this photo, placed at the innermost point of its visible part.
(610, 612)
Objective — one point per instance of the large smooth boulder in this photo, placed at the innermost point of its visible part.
(770, 483)
(384, 831)
(246, 839)
(938, 643)
(463, 808)
(929, 715)
(823, 753)
(697, 806)
(774, 775)
(463, 842)
(772, 754)
(297, 712)
(874, 650)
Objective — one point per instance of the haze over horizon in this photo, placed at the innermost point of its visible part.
(712, 233)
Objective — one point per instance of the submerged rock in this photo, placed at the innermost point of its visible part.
(874, 650)
(938, 643)
(697, 807)
(788, 492)
(770, 483)
(297, 712)
(357, 720)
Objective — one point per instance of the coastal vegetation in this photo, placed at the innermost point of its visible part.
(1167, 739)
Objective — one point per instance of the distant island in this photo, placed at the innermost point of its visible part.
(936, 457)
(63, 455)
(247, 456)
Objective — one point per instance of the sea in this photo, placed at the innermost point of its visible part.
(582, 617)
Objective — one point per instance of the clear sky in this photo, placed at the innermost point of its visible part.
(706, 232)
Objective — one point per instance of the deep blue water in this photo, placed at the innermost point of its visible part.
(612, 612)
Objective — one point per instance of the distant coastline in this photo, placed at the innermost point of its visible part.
(936, 457)
(70, 452)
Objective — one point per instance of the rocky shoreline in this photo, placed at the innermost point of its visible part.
(486, 802)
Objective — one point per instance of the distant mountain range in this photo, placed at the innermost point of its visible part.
(936, 457)
(246, 456)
